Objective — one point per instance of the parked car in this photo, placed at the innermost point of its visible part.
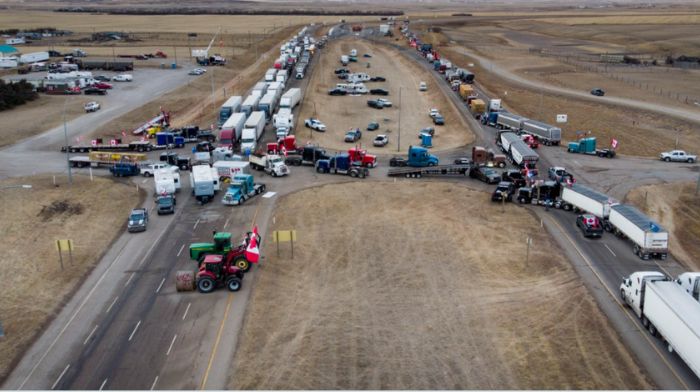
(559, 174)
(589, 225)
(343, 76)
(429, 130)
(379, 91)
(375, 104)
(102, 78)
(504, 190)
(423, 86)
(367, 55)
(123, 78)
(599, 92)
(166, 204)
(339, 71)
(148, 169)
(197, 71)
(385, 102)
(337, 91)
(485, 174)
(92, 107)
(678, 156)
(463, 161)
(102, 85)
(373, 126)
(377, 79)
(353, 135)
(94, 91)
(439, 120)
(315, 124)
(381, 141)
(138, 220)
(433, 112)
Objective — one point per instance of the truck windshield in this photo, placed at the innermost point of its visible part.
(276, 160)
(247, 140)
(136, 217)
(164, 201)
(226, 141)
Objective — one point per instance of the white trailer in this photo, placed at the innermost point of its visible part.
(547, 134)
(231, 130)
(344, 60)
(224, 154)
(277, 87)
(668, 312)
(507, 120)
(228, 169)
(283, 121)
(291, 98)
(649, 238)
(232, 105)
(260, 86)
(384, 28)
(507, 139)
(268, 103)
(252, 130)
(522, 155)
(690, 283)
(34, 57)
(587, 199)
(202, 183)
(281, 78)
(270, 75)
(166, 181)
(358, 77)
(250, 104)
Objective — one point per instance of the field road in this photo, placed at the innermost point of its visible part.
(603, 263)
(674, 111)
(23, 157)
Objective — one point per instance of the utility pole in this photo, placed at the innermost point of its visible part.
(527, 252)
(65, 136)
(398, 147)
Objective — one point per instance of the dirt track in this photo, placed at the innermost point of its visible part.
(340, 113)
(403, 291)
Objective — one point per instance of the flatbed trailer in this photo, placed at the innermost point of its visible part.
(438, 170)
(134, 146)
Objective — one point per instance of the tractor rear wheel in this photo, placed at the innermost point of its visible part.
(206, 285)
(242, 263)
(233, 283)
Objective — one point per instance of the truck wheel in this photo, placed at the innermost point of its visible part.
(501, 164)
(242, 263)
(652, 329)
(521, 200)
(233, 284)
(645, 322)
(667, 159)
(319, 170)
(622, 296)
(353, 174)
(690, 160)
(362, 175)
(206, 285)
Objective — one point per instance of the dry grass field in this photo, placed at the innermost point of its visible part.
(677, 208)
(340, 113)
(398, 291)
(92, 214)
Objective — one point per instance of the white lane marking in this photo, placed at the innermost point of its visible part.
(70, 321)
(134, 331)
(171, 345)
(186, 310)
(129, 280)
(154, 383)
(226, 223)
(113, 302)
(160, 285)
(89, 336)
(613, 253)
(151, 248)
(195, 224)
(144, 180)
(103, 384)
(60, 377)
(268, 195)
(180, 251)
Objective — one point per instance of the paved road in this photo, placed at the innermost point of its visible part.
(602, 263)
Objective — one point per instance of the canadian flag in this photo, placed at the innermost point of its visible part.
(284, 151)
(252, 252)
(613, 144)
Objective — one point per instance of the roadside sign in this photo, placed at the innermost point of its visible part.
(284, 236)
(562, 118)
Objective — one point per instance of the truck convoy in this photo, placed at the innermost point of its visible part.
(231, 106)
(547, 134)
(252, 130)
(202, 183)
(667, 312)
(231, 130)
(272, 164)
(649, 238)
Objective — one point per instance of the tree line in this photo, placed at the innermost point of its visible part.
(15, 94)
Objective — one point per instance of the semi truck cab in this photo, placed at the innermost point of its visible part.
(632, 288)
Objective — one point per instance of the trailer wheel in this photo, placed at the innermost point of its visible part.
(408, 175)
(501, 164)
(353, 174)
(242, 263)
(233, 284)
(652, 329)
(418, 175)
(645, 322)
(622, 296)
(206, 285)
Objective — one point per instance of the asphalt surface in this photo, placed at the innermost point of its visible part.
(127, 327)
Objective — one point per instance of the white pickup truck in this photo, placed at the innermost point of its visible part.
(678, 156)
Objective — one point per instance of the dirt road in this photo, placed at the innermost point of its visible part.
(395, 293)
(340, 113)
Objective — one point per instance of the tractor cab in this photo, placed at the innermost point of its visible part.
(216, 270)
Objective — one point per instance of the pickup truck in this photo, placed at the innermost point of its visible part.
(678, 156)
(138, 219)
(166, 204)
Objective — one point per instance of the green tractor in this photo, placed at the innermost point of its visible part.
(221, 246)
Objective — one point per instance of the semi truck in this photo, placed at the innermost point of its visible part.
(308, 155)
(517, 150)
(648, 237)
(690, 283)
(231, 130)
(252, 130)
(250, 104)
(242, 188)
(583, 198)
(105, 159)
(202, 183)
(271, 164)
(547, 134)
(283, 121)
(270, 75)
(232, 105)
(507, 120)
(291, 98)
(487, 157)
(588, 146)
(667, 312)
(417, 157)
(139, 146)
(341, 164)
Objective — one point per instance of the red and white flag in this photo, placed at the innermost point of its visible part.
(613, 144)
(284, 151)
(252, 252)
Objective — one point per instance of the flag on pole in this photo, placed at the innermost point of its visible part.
(613, 144)
(252, 252)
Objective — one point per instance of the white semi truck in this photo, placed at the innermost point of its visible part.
(586, 199)
(690, 283)
(272, 164)
(649, 238)
(667, 312)
(252, 130)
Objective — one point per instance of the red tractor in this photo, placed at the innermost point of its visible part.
(217, 270)
(359, 155)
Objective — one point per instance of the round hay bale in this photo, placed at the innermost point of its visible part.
(184, 280)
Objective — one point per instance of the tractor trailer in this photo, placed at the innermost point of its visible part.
(667, 311)
(232, 105)
(291, 98)
(547, 134)
(250, 104)
(252, 130)
(649, 238)
(231, 130)
(586, 199)
(508, 120)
